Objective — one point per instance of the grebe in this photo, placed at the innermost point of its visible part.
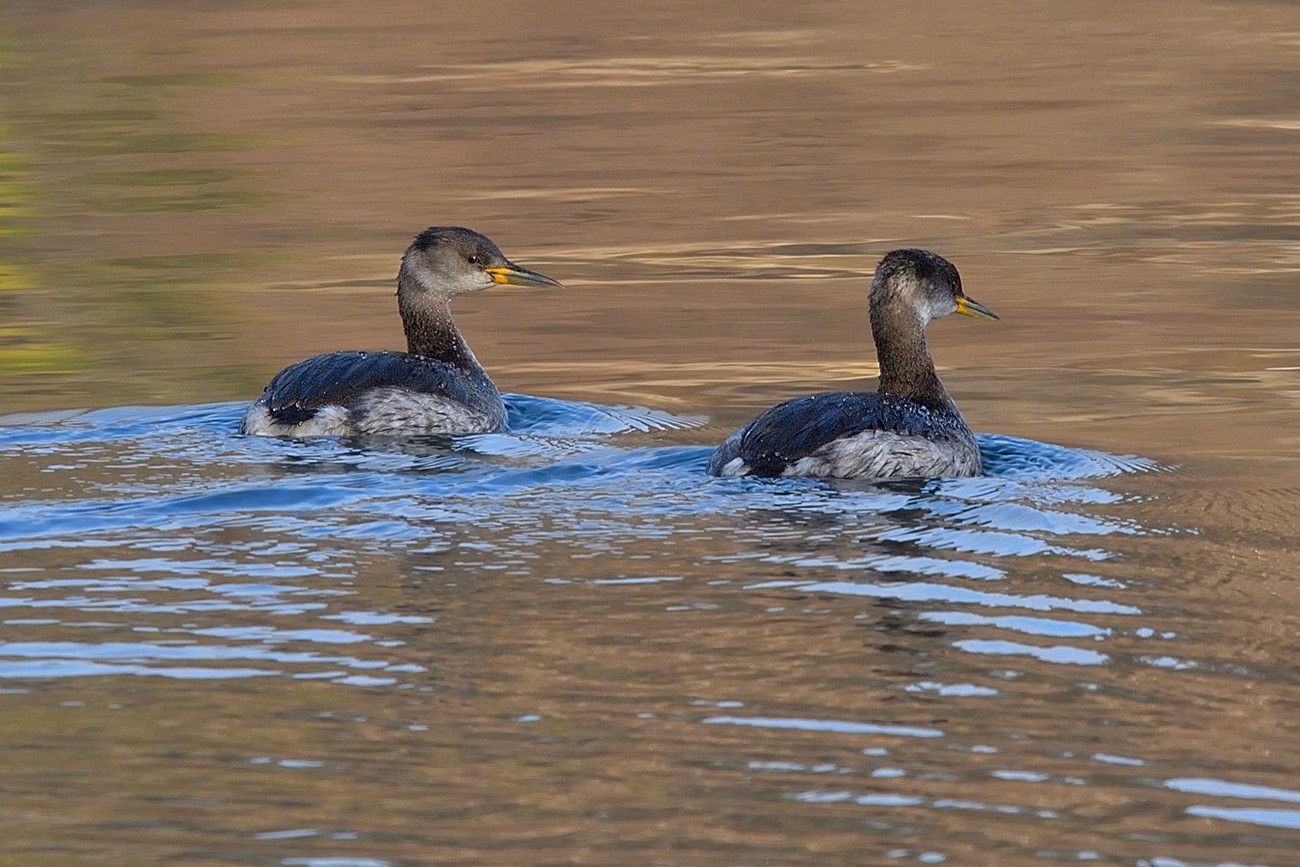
(909, 427)
(436, 386)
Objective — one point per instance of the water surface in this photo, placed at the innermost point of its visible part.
(565, 643)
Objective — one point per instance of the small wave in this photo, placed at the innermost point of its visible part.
(551, 417)
(1017, 458)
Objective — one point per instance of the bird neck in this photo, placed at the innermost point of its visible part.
(430, 330)
(906, 369)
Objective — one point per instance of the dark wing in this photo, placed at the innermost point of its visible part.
(797, 428)
(339, 378)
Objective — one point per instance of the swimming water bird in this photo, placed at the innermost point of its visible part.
(909, 427)
(436, 386)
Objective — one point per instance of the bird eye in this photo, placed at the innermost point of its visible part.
(475, 260)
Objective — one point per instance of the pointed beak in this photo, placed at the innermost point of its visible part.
(971, 307)
(513, 275)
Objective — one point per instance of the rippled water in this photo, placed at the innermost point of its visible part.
(353, 652)
(566, 644)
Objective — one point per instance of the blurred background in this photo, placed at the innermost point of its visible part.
(195, 196)
(566, 644)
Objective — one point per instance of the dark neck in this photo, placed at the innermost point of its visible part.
(906, 369)
(430, 330)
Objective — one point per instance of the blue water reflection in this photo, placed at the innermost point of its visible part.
(175, 515)
(155, 543)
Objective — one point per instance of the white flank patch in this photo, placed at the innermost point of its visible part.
(734, 467)
(876, 454)
(329, 421)
(400, 411)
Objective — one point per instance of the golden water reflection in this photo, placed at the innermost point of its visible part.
(195, 195)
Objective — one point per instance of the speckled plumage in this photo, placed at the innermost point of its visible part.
(910, 427)
(349, 393)
(437, 386)
(850, 435)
